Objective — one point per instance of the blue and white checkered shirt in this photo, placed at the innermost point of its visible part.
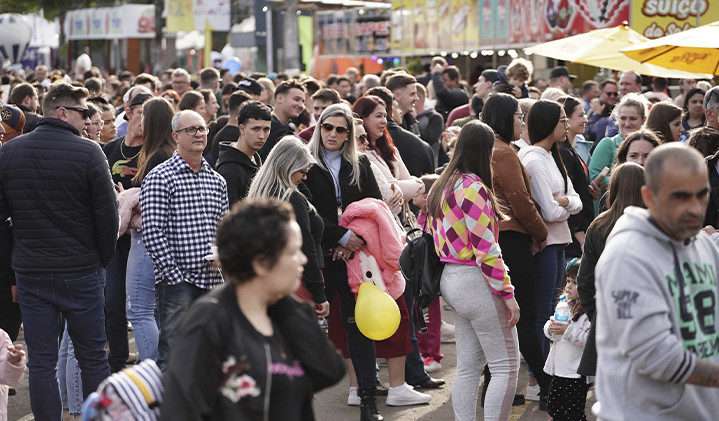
(180, 210)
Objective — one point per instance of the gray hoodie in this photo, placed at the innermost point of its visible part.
(655, 317)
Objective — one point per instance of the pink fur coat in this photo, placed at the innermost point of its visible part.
(378, 260)
(129, 209)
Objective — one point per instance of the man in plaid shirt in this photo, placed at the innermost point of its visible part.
(181, 203)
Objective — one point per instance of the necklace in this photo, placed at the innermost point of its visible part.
(123, 153)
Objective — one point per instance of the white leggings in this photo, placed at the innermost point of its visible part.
(483, 337)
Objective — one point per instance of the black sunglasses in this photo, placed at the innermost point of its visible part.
(340, 129)
(362, 138)
(84, 112)
(612, 93)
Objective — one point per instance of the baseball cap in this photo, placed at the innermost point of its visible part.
(138, 99)
(490, 75)
(250, 86)
(560, 71)
(12, 118)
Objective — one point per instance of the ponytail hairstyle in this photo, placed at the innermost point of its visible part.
(542, 119)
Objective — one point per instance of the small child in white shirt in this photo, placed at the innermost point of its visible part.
(12, 368)
(568, 392)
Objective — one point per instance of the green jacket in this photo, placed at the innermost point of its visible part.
(604, 156)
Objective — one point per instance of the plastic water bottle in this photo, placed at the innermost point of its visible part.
(562, 312)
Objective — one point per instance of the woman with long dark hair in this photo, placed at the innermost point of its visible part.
(625, 189)
(578, 172)
(522, 231)
(553, 192)
(158, 145)
(464, 219)
(665, 119)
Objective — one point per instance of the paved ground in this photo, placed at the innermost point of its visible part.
(331, 404)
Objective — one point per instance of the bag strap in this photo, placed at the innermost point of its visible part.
(419, 324)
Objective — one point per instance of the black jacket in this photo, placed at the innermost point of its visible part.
(712, 215)
(216, 346)
(447, 98)
(416, 154)
(237, 169)
(277, 131)
(593, 248)
(56, 188)
(31, 119)
(226, 134)
(579, 222)
(321, 186)
(312, 226)
(409, 123)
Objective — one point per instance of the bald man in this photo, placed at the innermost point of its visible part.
(657, 313)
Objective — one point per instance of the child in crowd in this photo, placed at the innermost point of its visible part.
(12, 367)
(568, 392)
(517, 74)
(429, 343)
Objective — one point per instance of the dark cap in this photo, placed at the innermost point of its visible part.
(250, 86)
(560, 71)
(490, 75)
(12, 118)
(138, 99)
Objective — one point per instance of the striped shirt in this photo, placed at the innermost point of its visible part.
(467, 232)
(180, 211)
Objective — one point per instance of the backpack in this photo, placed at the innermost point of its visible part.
(422, 270)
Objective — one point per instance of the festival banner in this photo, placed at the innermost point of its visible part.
(493, 21)
(214, 12)
(180, 16)
(127, 21)
(657, 18)
(535, 21)
(431, 22)
(334, 33)
(444, 24)
(397, 19)
(419, 20)
(408, 26)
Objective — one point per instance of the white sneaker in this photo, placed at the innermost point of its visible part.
(447, 332)
(532, 393)
(406, 395)
(431, 365)
(353, 399)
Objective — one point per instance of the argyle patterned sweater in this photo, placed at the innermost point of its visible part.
(467, 230)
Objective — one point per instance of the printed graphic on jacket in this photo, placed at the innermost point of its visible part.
(695, 298)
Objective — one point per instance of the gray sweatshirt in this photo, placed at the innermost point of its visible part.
(657, 312)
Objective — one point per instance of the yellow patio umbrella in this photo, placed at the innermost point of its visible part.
(600, 48)
(694, 50)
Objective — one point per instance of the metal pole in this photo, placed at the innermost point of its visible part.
(291, 35)
(268, 40)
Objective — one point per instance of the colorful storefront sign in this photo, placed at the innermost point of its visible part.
(349, 32)
(127, 21)
(657, 18)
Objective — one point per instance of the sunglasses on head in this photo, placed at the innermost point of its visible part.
(84, 112)
(340, 129)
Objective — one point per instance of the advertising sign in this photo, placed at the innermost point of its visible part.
(179, 15)
(371, 32)
(128, 21)
(334, 32)
(657, 18)
(397, 21)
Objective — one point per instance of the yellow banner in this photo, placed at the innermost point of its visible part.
(397, 22)
(420, 24)
(444, 24)
(180, 16)
(430, 13)
(657, 18)
(408, 26)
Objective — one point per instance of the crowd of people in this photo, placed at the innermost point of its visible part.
(229, 219)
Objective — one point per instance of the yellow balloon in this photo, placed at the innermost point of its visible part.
(376, 313)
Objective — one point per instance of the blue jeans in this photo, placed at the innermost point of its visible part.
(68, 375)
(413, 365)
(172, 303)
(115, 317)
(44, 298)
(141, 298)
(548, 275)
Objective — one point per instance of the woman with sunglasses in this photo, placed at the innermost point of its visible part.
(552, 190)
(381, 150)
(342, 176)
(281, 176)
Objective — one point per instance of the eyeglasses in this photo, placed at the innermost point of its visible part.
(84, 112)
(521, 115)
(340, 129)
(362, 138)
(611, 93)
(304, 172)
(565, 121)
(194, 130)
